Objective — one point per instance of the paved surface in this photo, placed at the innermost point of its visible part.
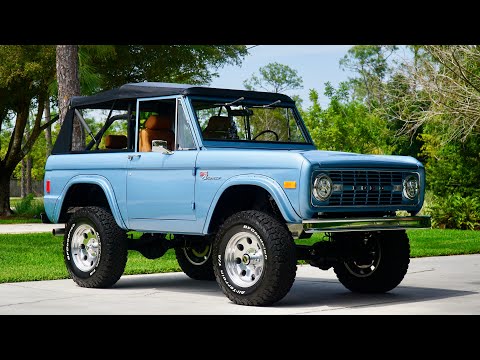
(28, 228)
(435, 285)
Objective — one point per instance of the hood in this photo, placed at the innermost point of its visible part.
(352, 160)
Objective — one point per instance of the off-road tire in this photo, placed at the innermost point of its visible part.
(113, 248)
(278, 258)
(392, 266)
(201, 270)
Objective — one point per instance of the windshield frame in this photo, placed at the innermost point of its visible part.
(307, 145)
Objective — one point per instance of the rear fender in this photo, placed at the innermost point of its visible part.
(96, 180)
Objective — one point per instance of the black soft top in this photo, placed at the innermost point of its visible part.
(125, 94)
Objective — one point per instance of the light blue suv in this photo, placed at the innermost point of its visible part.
(230, 179)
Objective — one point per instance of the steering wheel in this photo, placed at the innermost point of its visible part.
(264, 132)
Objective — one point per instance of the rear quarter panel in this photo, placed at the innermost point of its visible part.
(107, 170)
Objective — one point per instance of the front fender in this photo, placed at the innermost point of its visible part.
(97, 180)
(265, 182)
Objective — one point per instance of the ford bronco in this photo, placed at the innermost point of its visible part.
(230, 179)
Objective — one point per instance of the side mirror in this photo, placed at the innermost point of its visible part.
(161, 147)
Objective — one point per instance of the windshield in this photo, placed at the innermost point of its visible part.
(259, 123)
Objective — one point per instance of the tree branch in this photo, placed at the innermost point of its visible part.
(15, 144)
(462, 74)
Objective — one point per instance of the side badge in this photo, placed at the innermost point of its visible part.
(204, 176)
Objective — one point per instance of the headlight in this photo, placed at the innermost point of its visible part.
(410, 187)
(322, 187)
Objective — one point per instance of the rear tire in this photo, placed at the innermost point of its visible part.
(95, 248)
(196, 261)
(254, 259)
(374, 263)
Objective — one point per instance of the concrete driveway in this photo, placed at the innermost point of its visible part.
(435, 285)
(28, 228)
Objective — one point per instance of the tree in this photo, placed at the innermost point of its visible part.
(403, 101)
(346, 124)
(274, 77)
(68, 86)
(25, 73)
(370, 62)
(449, 77)
(48, 130)
(194, 64)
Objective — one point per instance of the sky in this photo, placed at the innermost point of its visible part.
(316, 64)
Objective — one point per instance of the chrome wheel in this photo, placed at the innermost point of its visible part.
(85, 248)
(244, 259)
(198, 255)
(368, 259)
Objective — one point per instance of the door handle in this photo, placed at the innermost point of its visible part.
(131, 157)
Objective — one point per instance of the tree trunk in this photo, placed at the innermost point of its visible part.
(68, 86)
(28, 185)
(48, 130)
(23, 179)
(5, 192)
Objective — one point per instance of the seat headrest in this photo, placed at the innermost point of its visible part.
(218, 123)
(158, 122)
(115, 141)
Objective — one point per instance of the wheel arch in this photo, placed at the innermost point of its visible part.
(88, 185)
(260, 183)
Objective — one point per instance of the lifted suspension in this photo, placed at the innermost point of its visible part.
(338, 247)
(154, 246)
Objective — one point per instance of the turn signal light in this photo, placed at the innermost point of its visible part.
(290, 184)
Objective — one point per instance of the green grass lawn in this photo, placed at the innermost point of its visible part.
(28, 257)
(18, 220)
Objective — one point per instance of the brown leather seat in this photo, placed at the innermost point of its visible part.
(220, 127)
(157, 127)
(115, 141)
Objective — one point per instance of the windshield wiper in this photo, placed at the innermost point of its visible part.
(231, 103)
(275, 102)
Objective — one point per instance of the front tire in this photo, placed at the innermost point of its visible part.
(373, 263)
(254, 259)
(95, 248)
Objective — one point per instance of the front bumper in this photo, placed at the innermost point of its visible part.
(366, 224)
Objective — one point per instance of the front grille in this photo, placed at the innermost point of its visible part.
(366, 188)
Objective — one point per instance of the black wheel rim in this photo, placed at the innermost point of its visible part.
(366, 260)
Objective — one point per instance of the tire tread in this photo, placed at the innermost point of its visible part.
(283, 262)
(114, 250)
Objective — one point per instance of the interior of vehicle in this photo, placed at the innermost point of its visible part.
(240, 122)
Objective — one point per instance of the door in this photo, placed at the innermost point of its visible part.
(160, 186)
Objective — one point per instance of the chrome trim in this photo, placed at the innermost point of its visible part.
(366, 224)
(327, 171)
(405, 181)
(315, 191)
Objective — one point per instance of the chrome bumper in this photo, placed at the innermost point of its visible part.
(366, 224)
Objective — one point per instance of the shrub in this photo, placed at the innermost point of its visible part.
(29, 206)
(455, 212)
